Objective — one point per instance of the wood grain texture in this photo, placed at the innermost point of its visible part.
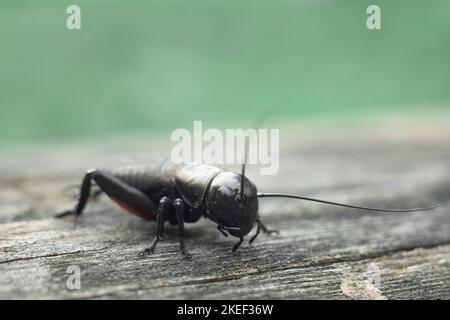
(322, 252)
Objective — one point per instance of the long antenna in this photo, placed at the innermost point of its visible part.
(244, 164)
(292, 196)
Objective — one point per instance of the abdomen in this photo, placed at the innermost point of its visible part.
(153, 179)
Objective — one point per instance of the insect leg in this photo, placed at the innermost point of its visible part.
(126, 196)
(179, 210)
(258, 230)
(237, 244)
(161, 212)
(220, 228)
(267, 231)
(83, 197)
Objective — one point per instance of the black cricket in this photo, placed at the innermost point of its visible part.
(164, 191)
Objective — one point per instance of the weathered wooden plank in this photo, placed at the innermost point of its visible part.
(321, 252)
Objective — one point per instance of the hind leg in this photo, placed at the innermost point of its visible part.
(82, 199)
(126, 196)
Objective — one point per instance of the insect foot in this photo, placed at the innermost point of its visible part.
(64, 214)
(186, 254)
(146, 252)
(271, 232)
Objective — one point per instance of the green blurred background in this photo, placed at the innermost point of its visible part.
(158, 65)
